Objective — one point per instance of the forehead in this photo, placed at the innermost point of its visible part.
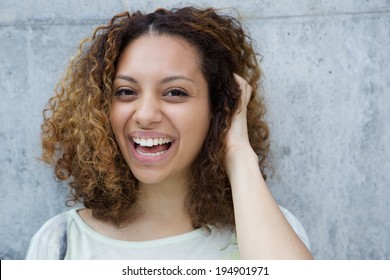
(160, 51)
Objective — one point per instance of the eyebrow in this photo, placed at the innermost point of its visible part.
(163, 81)
(127, 78)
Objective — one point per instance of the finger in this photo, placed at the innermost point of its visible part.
(246, 89)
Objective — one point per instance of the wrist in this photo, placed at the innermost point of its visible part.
(239, 157)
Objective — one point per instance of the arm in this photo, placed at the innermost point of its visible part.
(262, 230)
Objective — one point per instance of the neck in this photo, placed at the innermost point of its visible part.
(164, 201)
(159, 212)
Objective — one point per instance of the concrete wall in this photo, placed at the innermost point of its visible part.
(327, 82)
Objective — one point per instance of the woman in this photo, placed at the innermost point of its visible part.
(159, 131)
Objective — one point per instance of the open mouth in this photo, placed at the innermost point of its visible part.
(152, 147)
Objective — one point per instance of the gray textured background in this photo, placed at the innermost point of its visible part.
(327, 82)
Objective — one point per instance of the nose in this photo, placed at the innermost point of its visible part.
(147, 112)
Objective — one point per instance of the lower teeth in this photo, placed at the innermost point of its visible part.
(151, 154)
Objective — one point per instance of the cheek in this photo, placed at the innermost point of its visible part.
(117, 116)
(194, 122)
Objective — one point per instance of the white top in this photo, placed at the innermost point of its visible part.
(67, 236)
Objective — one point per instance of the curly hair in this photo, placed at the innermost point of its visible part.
(77, 138)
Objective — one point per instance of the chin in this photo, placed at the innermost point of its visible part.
(148, 177)
(151, 176)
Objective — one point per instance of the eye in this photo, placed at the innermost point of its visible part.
(124, 92)
(176, 93)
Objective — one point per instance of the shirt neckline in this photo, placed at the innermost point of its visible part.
(84, 227)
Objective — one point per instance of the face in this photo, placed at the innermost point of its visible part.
(160, 111)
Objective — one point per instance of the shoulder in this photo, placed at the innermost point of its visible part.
(49, 242)
(296, 225)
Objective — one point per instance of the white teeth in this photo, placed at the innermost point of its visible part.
(151, 154)
(150, 142)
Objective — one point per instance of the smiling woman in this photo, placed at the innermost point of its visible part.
(159, 130)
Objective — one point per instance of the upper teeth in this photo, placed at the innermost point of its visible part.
(150, 142)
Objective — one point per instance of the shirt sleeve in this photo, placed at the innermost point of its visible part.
(297, 226)
(49, 243)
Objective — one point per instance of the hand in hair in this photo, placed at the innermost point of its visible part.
(237, 137)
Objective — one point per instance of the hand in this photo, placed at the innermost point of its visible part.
(238, 131)
(237, 138)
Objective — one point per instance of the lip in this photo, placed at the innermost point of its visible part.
(150, 159)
